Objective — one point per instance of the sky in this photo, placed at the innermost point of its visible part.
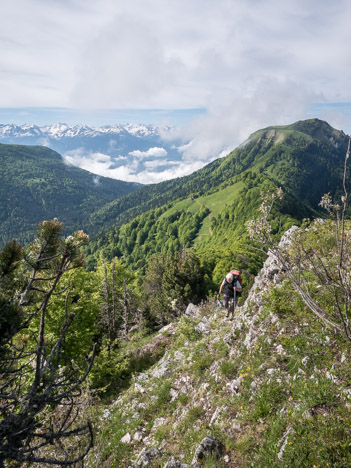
(217, 70)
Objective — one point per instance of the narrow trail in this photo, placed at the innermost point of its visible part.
(210, 229)
(209, 215)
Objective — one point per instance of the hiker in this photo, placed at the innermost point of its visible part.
(231, 288)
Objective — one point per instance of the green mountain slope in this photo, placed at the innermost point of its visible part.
(209, 209)
(305, 157)
(36, 184)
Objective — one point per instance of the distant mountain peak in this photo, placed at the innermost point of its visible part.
(62, 130)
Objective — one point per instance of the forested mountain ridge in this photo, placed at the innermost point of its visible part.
(305, 156)
(209, 209)
(36, 184)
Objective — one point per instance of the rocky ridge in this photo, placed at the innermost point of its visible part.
(232, 394)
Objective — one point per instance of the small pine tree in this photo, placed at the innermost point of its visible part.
(118, 310)
(171, 282)
(34, 385)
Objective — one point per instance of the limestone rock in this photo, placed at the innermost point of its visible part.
(139, 388)
(162, 370)
(203, 328)
(178, 356)
(138, 436)
(168, 329)
(174, 394)
(209, 446)
(158, 422)
(126, 439)
(147, 456)
(270, 273)
(228, 339)
(191, 310)
(173, 463)
(141, 377)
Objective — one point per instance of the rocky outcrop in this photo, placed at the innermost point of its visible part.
(147, 457)
(209, 446)
(271, 275)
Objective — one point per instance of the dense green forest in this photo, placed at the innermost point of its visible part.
(36, 184)
(208, 210)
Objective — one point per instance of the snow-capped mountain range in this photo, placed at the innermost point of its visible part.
(62, 130)
(131, 152)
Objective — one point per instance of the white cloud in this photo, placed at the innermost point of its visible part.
(97, 163)
(96, 180)
(121, 158)
(102, 165)
(129, 174)
(157, 163)
(151, 152)
(178, 54)
(227, 124)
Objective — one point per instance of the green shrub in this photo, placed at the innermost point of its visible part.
(163, 394)
(267, 400)
(183, 399)
(228, 368)
(186, 329)
(114, 369)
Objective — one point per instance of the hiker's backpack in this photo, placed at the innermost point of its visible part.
(237, 276)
